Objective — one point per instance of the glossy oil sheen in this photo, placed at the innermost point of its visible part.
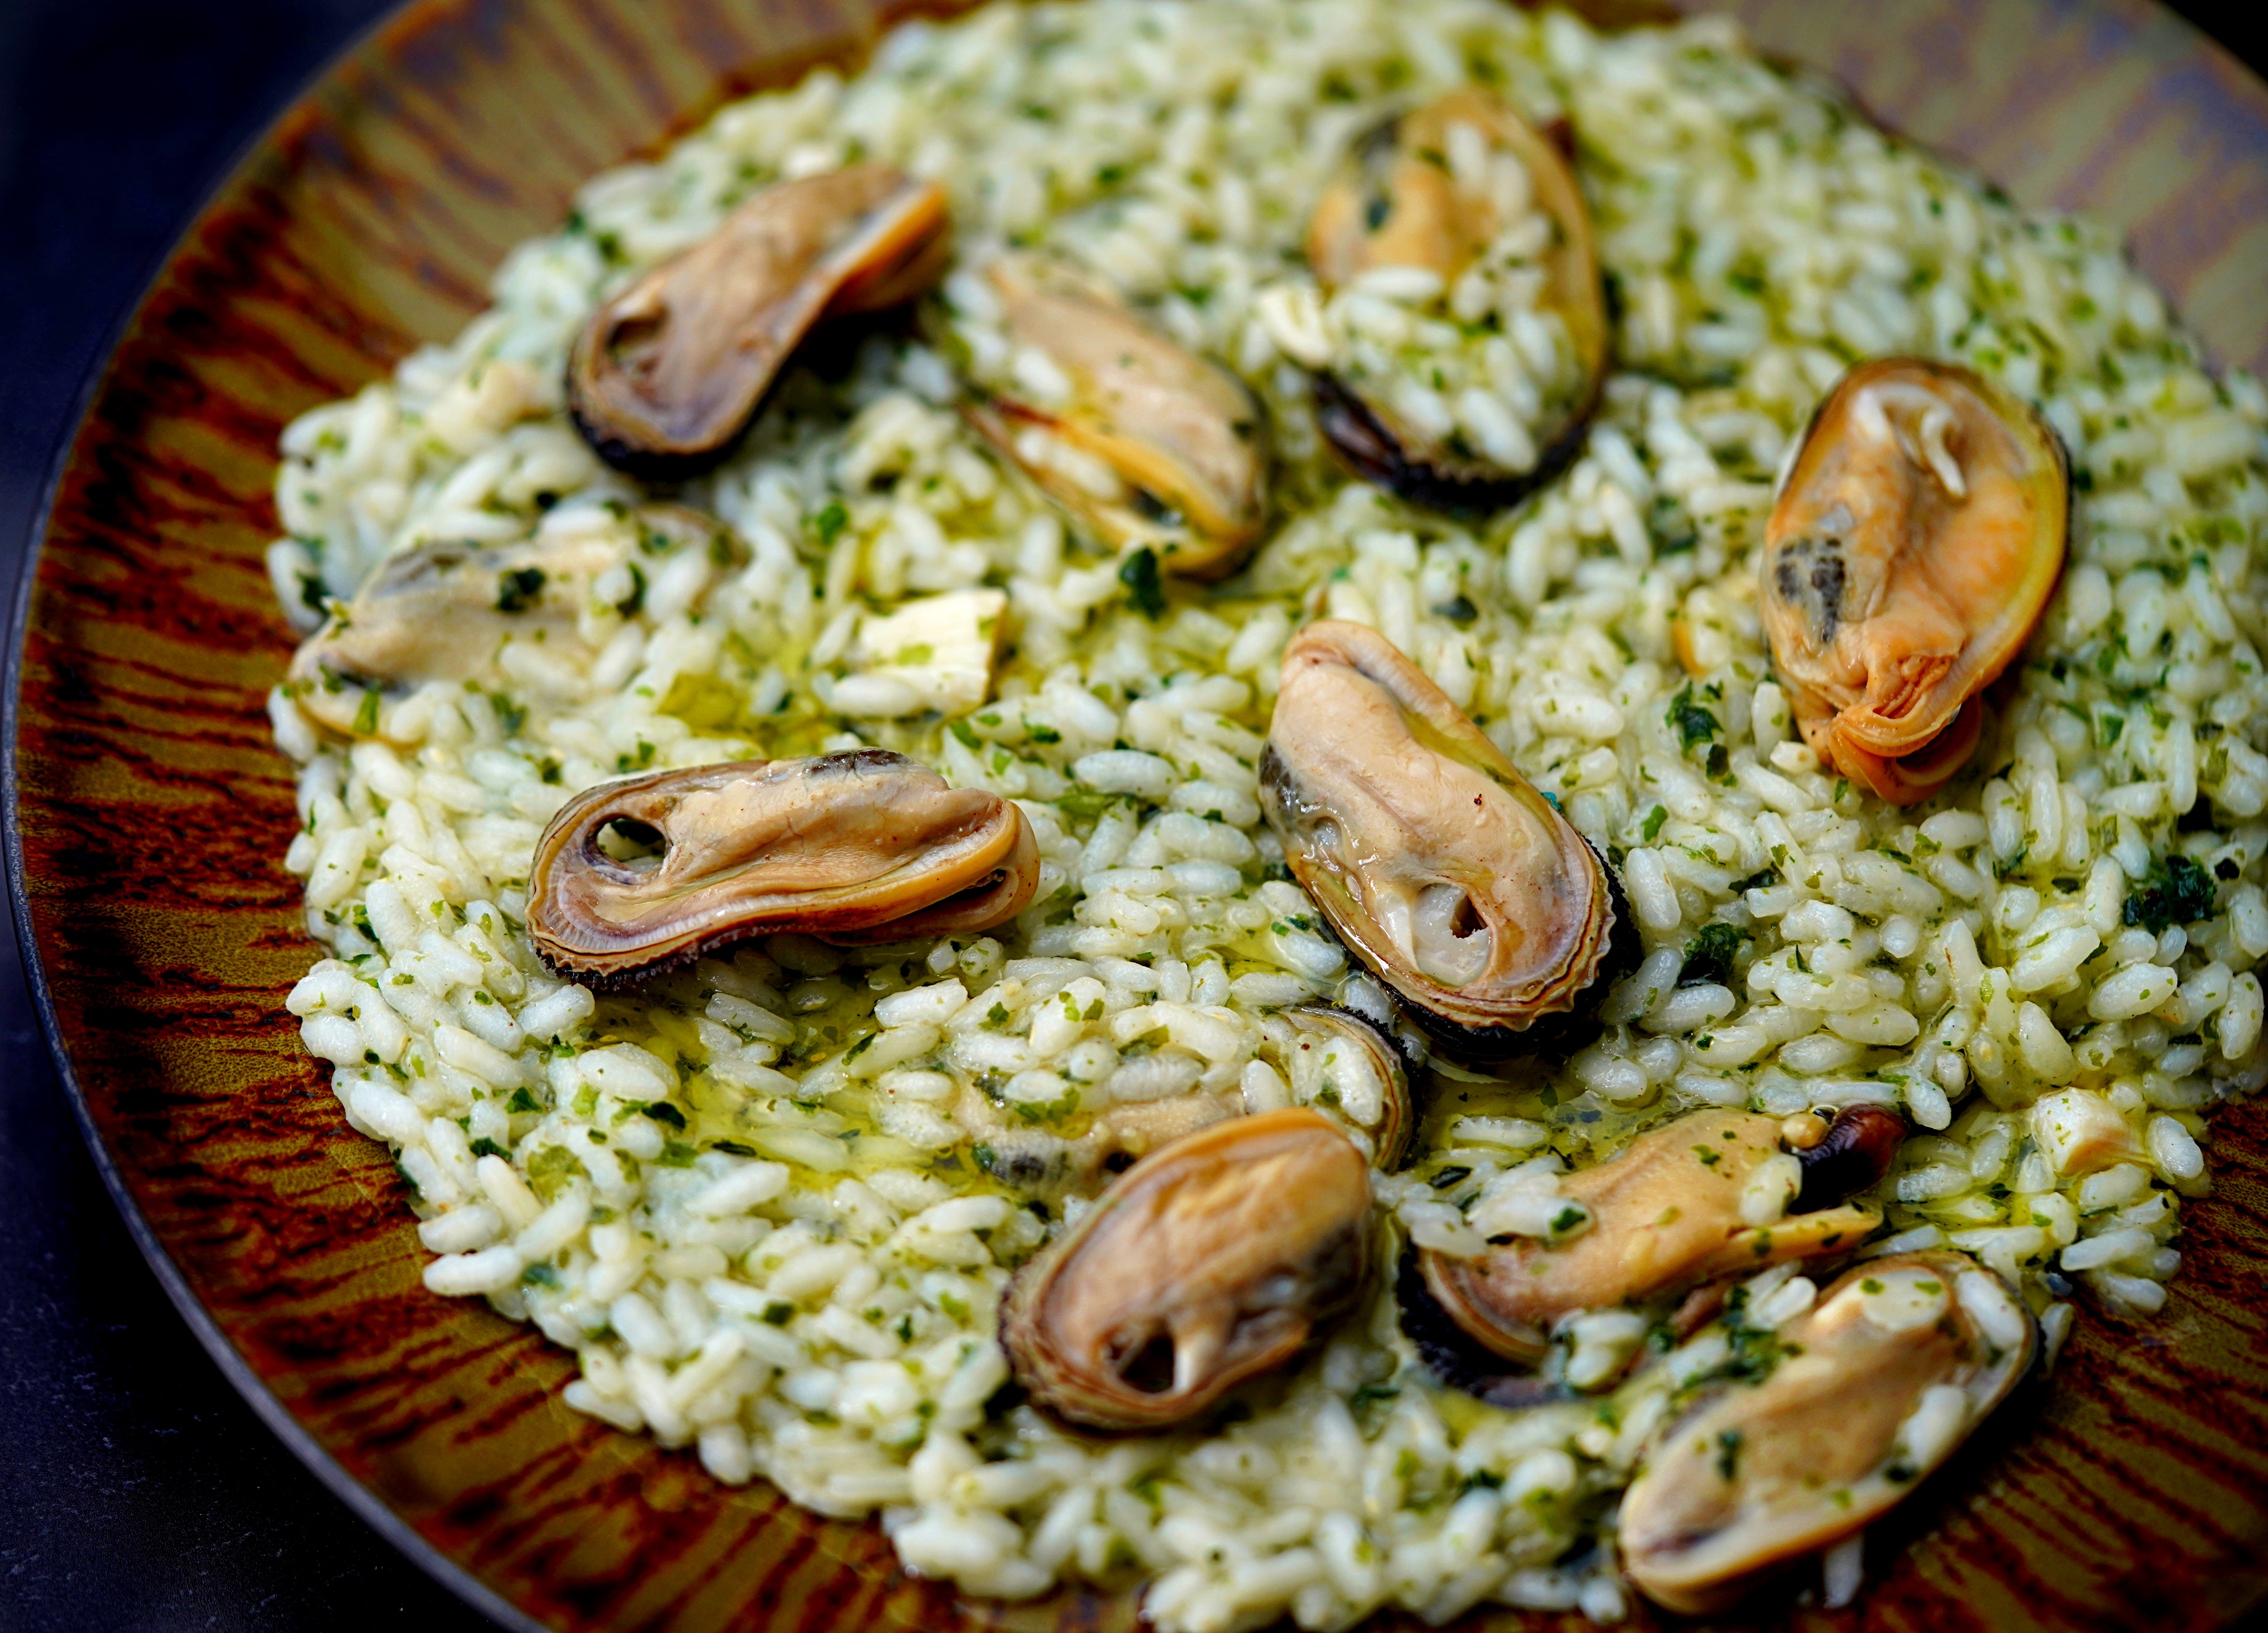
(153, 815)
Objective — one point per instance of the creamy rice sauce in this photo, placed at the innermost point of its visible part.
(765, 1199)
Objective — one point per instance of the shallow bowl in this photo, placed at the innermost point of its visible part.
(150, 814)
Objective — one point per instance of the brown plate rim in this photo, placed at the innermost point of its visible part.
(364, 1503)
(360, 1499)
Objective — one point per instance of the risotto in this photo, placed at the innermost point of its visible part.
(771, 1197)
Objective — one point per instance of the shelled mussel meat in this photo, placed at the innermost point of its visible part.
(866, 846)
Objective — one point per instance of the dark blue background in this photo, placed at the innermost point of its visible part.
(136, 1490)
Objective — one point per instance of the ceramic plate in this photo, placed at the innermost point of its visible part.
(151, 813)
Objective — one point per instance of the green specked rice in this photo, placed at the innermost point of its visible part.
(755, 1197)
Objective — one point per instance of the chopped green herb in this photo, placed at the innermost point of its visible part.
(517, 589)
(1693, 724)
(1709, 956)
(630, 604)
(551, 1170)
(2175, 890)
(1459, 611)
(828, 523)
(1139, 574)
(1047, 1111)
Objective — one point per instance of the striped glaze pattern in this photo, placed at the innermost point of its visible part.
(153, 814)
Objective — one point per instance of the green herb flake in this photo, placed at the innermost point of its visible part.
(827, 523)
(2175, 890)
(1709, 956)
(517, 589)
(1693, 724)
(1138, 573)
(552, 1170)
(1458, 611)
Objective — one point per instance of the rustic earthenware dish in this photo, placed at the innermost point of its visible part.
(151, 813)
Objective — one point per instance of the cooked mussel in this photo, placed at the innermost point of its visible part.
(1465, 193)
(443, 611)
(1877, 1385)
(1044, 1164)
(1335, 1058)
(1457, 883)
(866, 846)
(1916, 537)
(1702, 1197)
(1145, 441)
(1216, 1258)
(668, 374)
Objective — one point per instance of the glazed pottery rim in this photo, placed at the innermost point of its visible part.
(364, 1503)
(268, 1406)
